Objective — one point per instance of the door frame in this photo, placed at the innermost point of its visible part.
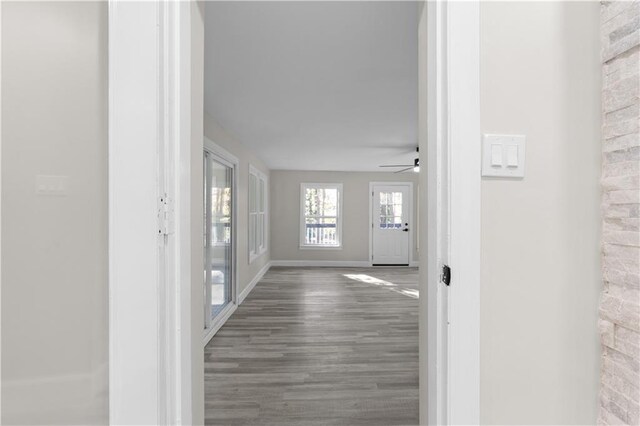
(411, 260)
(225, 157)
(449, 132)
(150, 354)
(150, 291)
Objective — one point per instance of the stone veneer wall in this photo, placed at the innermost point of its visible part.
(620, 305)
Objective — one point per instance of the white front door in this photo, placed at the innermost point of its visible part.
(391, 227)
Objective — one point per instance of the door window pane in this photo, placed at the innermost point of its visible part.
(390, 210)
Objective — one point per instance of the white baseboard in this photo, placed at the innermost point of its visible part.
(243, 295)
(218, 323)
(330, 263)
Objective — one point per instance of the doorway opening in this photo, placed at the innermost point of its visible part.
(169, 37)
(321, 115)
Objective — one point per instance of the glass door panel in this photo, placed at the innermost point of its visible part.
(218, 236)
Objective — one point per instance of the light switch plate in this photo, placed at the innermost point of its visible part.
(510, 149)
(52, 185)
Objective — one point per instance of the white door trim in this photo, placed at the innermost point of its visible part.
(450, 135)
(149, 257)
(412, 224)
(150, 355)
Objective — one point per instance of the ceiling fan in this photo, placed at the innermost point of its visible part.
(415, 166)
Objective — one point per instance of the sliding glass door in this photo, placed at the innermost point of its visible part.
(218, 241)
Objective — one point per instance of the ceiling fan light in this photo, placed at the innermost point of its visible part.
(416, 165)
(416, 169)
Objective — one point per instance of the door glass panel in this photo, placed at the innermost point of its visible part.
(218, 237)
(390, 210)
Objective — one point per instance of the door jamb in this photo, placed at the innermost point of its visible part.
(450, 395)
(411, 220)
(150, 238)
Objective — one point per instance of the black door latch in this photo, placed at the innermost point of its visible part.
(446, 274)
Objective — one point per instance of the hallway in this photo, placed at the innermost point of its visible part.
(318, 346)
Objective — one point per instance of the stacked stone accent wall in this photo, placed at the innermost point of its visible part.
(620, 304)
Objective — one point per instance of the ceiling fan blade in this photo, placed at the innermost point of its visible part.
(397, 165)
(404, 170)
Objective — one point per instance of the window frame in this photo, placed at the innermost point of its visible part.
(253, 251)
(339, 216)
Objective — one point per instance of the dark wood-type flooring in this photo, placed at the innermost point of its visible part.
(318, 346)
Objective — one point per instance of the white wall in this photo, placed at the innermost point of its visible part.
(285, 213)
(246, 270)
(54, 249)
(540, 76)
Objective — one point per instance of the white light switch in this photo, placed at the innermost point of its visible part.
(503, 156)
(512, 155)
(52, 185)
(496, 155)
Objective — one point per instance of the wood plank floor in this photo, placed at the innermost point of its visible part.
(318, 346)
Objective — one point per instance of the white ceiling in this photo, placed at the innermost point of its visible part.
(315, 85)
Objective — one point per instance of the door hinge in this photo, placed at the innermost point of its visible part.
(445, 277)
(166, 215)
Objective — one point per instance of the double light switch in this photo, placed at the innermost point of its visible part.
(503, 156)
(52, 185)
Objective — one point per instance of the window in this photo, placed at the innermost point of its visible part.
(390, 210)
(257, 213)
(320, 218)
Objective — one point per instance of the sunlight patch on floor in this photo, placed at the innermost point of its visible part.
(410, 292)
(368, 279)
